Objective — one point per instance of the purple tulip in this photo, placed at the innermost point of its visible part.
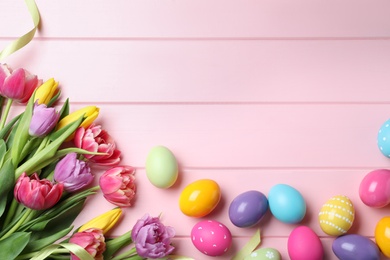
(43, 120)
(35, 193)
(73, 173)
(152, 239)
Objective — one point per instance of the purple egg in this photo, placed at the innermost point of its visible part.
(248, 208)
(355, 247)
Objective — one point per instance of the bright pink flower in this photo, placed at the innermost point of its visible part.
(118, 185)
(152, 239)
(17, 84)
(92, 240)
(43, 120)
(37, 194)
(94, 139)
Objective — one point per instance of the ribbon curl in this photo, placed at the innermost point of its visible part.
(26, 38)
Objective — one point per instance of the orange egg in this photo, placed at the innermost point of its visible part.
(382, 235)
(199, 198)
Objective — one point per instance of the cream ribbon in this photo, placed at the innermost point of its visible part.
(249, 246)
(25, 39)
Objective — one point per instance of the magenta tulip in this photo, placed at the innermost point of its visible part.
(74, 174)
(17, 84)
(152, 239)
(94, 139)
(92, 240)
(43, 120)
(118, 185)
(37, 194)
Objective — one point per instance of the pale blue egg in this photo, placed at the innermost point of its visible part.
(383, 139)
(286, 203)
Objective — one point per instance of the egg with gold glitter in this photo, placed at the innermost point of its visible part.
(337, 215)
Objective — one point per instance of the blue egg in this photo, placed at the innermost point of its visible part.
(248, 208)
(383, 139)
(286, 204)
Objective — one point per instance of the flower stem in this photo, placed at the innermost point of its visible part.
(6, 112)
(25, 217)
(126, 255)
(11, 212)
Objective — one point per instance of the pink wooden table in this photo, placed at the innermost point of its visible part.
(248, 93)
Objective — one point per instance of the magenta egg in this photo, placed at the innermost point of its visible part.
(304, 244)
(374, 189)
(211, 237)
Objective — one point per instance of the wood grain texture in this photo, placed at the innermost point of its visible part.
(248, 93)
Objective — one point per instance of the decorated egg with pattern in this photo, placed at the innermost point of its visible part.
(264, 254)
(336, 215)
(211, 237)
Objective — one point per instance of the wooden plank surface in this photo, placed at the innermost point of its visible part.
(248, 93)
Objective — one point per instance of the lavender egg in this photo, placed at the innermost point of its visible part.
(248, 208)
(355, 247)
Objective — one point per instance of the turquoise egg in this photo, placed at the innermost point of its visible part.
(286, 204)
(264, 254)
(383, 139)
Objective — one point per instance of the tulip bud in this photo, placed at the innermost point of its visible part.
(43, 120)
(104, 222)
(92, 240)
(35, 193)
(90, 113)
(18, 84)
(118, 185)
(73, 173)
(46, 91)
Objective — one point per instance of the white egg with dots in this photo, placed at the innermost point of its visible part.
(211, 237)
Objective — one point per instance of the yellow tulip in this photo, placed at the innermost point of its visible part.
(46, 91)
(104, 222)
(90, 113)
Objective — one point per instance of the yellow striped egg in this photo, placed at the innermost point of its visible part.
(336, 215)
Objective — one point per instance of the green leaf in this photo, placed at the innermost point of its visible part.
(21, 134)
(49, 151)
(115, 244)
(3, 205)
(3, 151)
(65, 109)
(54, 98)
(4, 132)
(38, 244)
(7, 180)
(12, 246)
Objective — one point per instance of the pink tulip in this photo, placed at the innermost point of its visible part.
(92, 240)
(152, 239)
(118, 185)
(37, 194)
(94, 139)
(43, 120)
(17, 84)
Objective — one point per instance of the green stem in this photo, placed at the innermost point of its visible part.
(25, 217)
(11, 212)
(126, 255)
(6, 112)
(43, 144)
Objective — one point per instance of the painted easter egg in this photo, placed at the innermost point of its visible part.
(374, 188)
(248, 208)
(199, 198)
(355, 247)
(161, 167)
(383, 138)
(337, 215)
(382, 235)
(264, 254)
(211, 237)
(304, 244)
(286, 203)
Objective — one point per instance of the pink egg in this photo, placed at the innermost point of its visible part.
(304, 244)
(211, 237)
(374, 189)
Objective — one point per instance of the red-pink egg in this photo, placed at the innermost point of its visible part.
(374, 189)
(211, 237)
(304, 244)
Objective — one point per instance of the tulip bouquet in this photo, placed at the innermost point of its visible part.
(46, 159)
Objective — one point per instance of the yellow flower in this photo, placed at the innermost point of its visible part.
(104, 222)
(90, 113)
(46, 91)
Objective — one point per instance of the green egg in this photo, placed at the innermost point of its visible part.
(264, 254)
(161, 167)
